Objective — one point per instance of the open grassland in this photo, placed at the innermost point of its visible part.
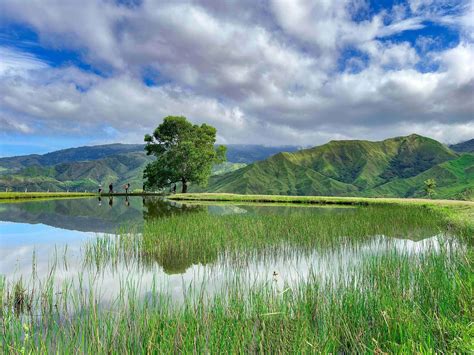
(395, 301)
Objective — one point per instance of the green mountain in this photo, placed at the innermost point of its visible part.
(69, 155)
(79, 175)
(464, 147)
(393, 167)
(84, 168)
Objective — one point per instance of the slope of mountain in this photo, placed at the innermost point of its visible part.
(69, 155)
(464, 147)
(84, 168)
(454, 179)
(80, 175)
(393, 167)
(249, 153)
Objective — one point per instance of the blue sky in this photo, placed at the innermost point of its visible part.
(268, 72)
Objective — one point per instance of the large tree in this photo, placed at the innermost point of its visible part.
(184, 153)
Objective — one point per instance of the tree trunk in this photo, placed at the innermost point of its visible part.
(184, 188)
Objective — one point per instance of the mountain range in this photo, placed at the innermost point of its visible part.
(395, 167)
(84, 168)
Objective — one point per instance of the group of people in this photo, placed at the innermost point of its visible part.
(111, 188)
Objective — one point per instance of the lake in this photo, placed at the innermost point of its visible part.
(60, 235)
(152, 275)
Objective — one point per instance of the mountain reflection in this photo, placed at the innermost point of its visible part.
(97, 215)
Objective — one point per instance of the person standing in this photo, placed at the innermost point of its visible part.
(127, 187)
(100, 189)
(111, 188)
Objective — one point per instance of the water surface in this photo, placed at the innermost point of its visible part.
(52, 234)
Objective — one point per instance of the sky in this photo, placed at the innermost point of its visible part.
(272, 72)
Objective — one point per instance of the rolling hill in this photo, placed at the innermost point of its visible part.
(393, 167)
(84, 168)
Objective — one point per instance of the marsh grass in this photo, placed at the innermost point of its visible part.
(11, 196)
(390, 302)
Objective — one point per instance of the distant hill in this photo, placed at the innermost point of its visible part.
(69, 155)
(464, 147)
(249, 153)
(84, 168)
(393, 167)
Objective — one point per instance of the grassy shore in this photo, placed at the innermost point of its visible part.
(42, 195)
(459, 214)
(314, 199)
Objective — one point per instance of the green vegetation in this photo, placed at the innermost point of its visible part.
(80, 175)
(454, 180)
(430, 186)
(84, 168)
(457, 213)
(41, 195)
(395, 167)
(226, 167)
(184, 153)
(393, 301)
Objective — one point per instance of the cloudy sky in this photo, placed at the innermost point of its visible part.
(271, 72)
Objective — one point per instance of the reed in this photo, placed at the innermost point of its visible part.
(395, 301)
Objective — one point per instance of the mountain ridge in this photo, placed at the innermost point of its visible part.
(395, 167)
(352, 168)
(84, 168)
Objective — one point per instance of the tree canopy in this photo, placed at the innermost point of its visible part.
(184, 153)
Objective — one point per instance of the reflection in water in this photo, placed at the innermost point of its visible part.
(26, 223)
(90, 214)
(284, 268)
(44, 227)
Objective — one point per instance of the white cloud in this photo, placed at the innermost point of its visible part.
(15, 63)
(265, 73)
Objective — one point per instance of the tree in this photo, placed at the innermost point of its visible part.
(185, 153)
(430, 186)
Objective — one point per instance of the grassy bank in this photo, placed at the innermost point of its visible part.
(41, 195)
(44, 195)
(460, 214)
(314, 199)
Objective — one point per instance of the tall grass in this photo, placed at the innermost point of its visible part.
(394, 301)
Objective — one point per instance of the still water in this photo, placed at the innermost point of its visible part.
(38, 236)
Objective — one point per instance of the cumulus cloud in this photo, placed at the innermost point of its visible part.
(269, 72)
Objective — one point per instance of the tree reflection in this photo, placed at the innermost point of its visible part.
(171, 258)
(156, 207)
